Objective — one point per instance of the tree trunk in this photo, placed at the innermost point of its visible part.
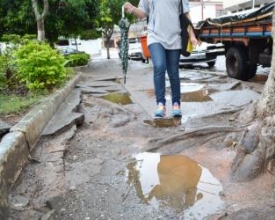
(107, 35)
(266, 104)
(107, 43)
(256, 152)
(76, 43)
(40, 18)
(41, 30)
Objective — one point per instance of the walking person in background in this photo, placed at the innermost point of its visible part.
(164, 43)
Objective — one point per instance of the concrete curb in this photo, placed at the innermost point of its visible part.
(16, 145)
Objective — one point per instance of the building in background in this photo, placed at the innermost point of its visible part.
(203, 9)
(233, 6)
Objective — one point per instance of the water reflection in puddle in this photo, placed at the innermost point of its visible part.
(118, 98)
(259, 78)
(194, 92)
(196, 96)
(164, 122)
(175, 181)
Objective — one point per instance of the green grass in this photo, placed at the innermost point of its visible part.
(18, 104)
(12, 104)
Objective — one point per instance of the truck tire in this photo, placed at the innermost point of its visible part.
(236, 64)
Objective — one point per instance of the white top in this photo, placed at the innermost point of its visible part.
(164, 24)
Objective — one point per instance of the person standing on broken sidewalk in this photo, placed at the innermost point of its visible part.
(164, 43)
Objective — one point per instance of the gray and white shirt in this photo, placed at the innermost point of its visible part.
(164, 24)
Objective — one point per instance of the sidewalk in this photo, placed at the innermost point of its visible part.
(16, 146)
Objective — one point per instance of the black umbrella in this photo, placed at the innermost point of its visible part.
(124, 25)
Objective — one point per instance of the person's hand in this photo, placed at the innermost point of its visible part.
(194, 41)
(129, 7)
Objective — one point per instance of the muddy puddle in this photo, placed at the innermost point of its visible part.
(176, 182)
(261, 78)
(118, 98)
(194, 92)
(164, 122)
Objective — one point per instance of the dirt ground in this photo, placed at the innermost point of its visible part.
(96, 170)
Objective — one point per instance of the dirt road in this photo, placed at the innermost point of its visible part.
(120, 164)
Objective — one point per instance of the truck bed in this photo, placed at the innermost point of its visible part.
(214, 34)
(254, 24)
(247, 40)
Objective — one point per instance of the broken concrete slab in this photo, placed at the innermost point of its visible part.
(99, 87)
(36, 120)
(66, 116)
(91, 90)
(97, 84)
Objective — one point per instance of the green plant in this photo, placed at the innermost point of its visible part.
(8, 79)
(40, 66)
(13, 104)
(2, 70)
(79, 59)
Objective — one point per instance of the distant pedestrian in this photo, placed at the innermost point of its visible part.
(164, 43)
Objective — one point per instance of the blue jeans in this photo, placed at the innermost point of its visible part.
(163, 60)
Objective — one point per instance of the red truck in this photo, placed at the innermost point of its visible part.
(247, 40)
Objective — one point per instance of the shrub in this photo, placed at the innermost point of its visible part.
(40, 66)
(78, 59)
(2, 71)
(8, 78)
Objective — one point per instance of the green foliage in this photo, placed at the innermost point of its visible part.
(111, 12)
(65, 18)
(39, 66)
(79, 59)
(8, 73)
(3, 62)
(17, 39)
(11, 38)
(17, 17)
(90, 34)
(110, 15)
(8, 79)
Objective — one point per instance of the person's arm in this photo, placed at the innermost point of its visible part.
(193, 38)
(134, 10)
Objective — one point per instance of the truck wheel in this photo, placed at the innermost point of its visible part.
(236, 64)
(211, 64)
